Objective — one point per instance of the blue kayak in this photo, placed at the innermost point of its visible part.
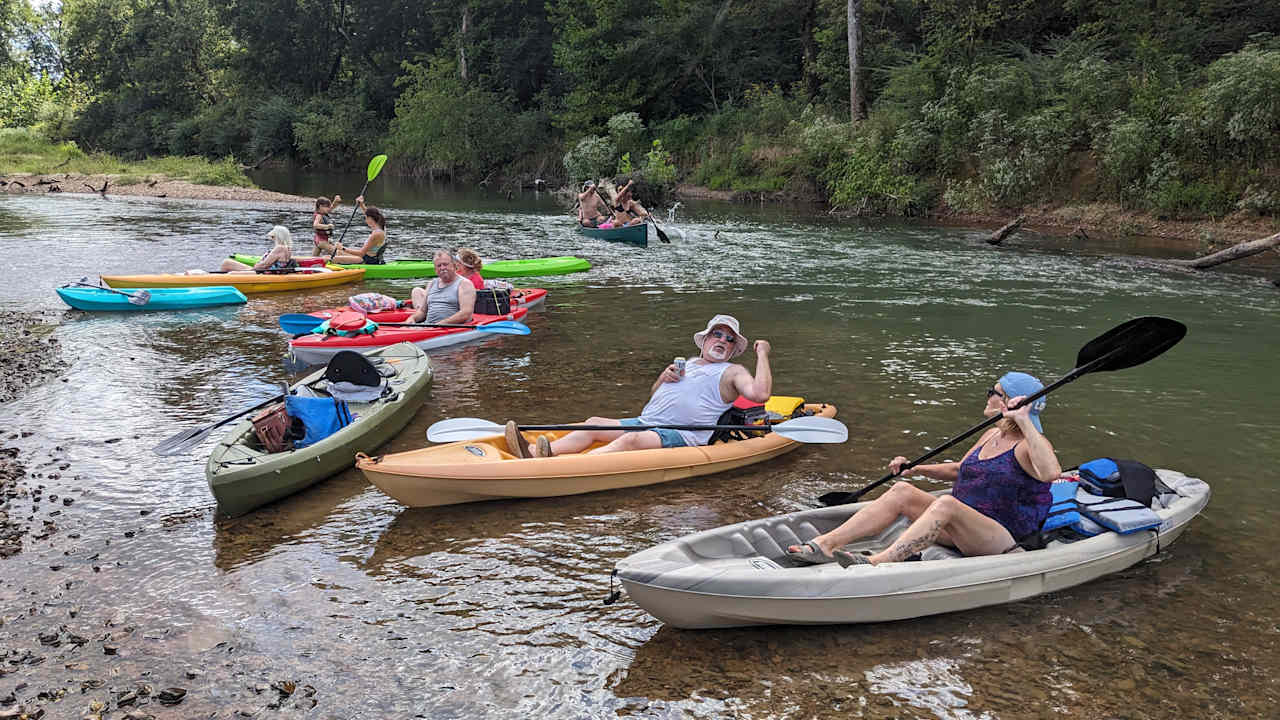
(90, 298)
(630, 234)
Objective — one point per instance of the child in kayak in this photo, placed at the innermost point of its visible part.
(1000, 494)
(371, 252)
(323, 228)
(698, 395)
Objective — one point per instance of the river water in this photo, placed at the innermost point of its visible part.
(495, 610)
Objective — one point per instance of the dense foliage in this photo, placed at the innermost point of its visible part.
(1170, 106)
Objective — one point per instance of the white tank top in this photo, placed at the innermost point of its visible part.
(695, 400)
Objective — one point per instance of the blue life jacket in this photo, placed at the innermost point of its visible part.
(321, 417)
(1064, 511)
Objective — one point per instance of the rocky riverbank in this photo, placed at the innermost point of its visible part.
(32, 356)
(155, 187)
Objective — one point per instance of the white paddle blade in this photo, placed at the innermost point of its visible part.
(459, 429)
(141, 297)
(813, 429)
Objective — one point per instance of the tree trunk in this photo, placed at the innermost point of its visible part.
(462, 43)
(857, 95)
(1235, 252)
(812, 83)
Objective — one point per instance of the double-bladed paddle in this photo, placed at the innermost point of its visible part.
(303, 324)
(187, 439)
(1123, 346)
(141, 297)
(810, 429)
(375, 167)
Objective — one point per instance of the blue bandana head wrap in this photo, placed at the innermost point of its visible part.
(1019, 384)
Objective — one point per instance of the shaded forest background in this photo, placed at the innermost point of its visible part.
(1169, 106)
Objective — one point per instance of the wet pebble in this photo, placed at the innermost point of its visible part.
(172, 696)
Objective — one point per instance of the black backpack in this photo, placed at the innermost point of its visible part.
(751, 415)
(491, 301)
(1119, 478)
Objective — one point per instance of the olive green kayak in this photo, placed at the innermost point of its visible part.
(419, 268)
(243, 476)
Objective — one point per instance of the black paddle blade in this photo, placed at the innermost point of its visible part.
(838, 498)
(1131, 343)
(661, 235)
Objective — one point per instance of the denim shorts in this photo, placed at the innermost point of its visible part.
(670, 438)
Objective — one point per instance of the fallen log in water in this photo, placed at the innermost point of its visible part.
(1235, 252)
(998, 236)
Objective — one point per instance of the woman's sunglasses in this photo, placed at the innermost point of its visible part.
(992, 392)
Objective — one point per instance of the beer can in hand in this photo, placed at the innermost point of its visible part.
(679, 363)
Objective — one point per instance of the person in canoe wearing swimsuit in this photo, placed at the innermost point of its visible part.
(1000, 493)
(591, 209)
(323, 239)
(278, 259)
(706, 388)
(448, 299)
(371, 252)
(626, 210)
(469, 264)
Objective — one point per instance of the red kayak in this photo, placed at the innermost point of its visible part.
(317, 349)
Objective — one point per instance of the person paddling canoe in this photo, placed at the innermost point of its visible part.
(698, 394)
(592, 212)
(371, 252)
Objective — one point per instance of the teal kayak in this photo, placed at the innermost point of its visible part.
(631, 234)
(88, 298)
(419, 268)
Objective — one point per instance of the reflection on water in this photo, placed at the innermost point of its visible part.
(493, 609)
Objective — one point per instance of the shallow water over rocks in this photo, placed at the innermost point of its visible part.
(338, 602)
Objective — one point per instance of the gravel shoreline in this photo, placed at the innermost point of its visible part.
(32, 357)
(155, 187)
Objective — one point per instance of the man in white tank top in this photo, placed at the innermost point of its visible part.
(697, 396)
(448, 299)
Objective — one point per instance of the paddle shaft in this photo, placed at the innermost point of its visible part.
(354, 209)
(132, 296)
(629, 428)
(1073, 375)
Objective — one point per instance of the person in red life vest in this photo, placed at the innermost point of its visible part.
(323, 227)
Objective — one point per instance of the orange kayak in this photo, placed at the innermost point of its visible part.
(246, 283)
(484, 469)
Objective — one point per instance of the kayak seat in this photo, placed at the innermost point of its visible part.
(939, 552)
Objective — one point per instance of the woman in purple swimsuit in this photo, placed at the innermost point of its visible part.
(1000, 493)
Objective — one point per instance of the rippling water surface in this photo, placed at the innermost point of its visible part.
(488, 610)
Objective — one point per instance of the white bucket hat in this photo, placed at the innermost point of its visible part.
(728, 321)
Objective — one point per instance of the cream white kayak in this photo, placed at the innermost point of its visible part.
(739, 574)
(484, 469)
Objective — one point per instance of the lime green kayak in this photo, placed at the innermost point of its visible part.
(415, 268)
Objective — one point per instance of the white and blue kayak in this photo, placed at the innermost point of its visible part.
(92, 298)
(740, 575)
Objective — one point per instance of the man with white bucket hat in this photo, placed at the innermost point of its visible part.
(706, 388)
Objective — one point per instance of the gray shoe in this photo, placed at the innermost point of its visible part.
(516, 444)
(848, 559)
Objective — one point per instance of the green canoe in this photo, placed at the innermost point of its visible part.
(631, 234)
(243, 476)
(417, 268)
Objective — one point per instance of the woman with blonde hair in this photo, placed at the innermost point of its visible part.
(469, 264)
(278, 259)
